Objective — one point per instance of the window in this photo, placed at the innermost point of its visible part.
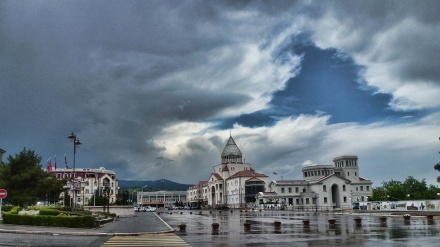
(357, 189)
(325, 199)
(362, 188)
(290, 190)
(305, 174)
(282, 190)
(304, 189)
(324, 188)
(296, 189)
(345, 199)
(343, 187)
(348, 174)
(307, 200)
(297, 201)
(368, 188)
(355, 174)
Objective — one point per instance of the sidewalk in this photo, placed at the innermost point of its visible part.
(141, 223)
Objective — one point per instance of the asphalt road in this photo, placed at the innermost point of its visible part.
(143, 222)
(35, 240)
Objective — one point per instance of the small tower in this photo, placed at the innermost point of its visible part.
(347, 167)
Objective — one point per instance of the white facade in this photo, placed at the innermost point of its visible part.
(161, 198)
(326, 187)
(87, 182)
(232, 183)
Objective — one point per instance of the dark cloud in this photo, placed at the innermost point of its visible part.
(148, 86)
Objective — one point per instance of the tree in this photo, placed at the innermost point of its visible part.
(397, 190)
(25, 180)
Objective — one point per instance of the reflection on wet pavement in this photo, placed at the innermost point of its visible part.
(292, 232)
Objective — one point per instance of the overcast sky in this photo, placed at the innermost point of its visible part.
(154, 88)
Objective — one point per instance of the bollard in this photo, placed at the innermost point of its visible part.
(215, 226)
(247, 225)
(182, 227)
(306, 223)
(358, 221)
(331, 222)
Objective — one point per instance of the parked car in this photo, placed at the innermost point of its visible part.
(150, 209)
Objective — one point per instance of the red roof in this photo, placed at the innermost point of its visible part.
(247, 173)
(225, 168)
(217, 176)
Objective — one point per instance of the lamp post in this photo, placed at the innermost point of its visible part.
(72, 137)
(132, 199)
(106, 192)
(315, 199)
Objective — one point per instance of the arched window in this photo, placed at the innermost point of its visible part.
(324, 188)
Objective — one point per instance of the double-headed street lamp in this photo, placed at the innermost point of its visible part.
(72, 137)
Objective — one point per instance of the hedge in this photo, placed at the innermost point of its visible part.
(49, 220)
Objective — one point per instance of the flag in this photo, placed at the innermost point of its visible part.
(55, 164)
(275, 173)
(65, 162)
(48, 166)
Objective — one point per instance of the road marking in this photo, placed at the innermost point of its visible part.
(163, 239)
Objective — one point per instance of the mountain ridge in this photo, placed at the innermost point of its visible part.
(160, 184)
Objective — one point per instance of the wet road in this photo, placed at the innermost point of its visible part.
(416, 232)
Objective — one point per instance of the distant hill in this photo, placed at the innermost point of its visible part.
(161, 184)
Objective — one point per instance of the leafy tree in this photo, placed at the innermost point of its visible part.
(25, 180)
(97, 199)
(397, 190)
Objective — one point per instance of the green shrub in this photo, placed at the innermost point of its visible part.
(49, 220)
(15, 209)
(53, 212)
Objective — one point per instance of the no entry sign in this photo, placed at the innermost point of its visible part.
(3, 193)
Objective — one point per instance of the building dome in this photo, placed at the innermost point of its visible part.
(231, 153)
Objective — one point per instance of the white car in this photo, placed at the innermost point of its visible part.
(150, 209)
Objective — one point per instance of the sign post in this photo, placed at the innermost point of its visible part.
(3, 194)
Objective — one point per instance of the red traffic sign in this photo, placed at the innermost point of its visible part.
(3, 193)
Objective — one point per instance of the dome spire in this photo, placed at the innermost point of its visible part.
(231, 153)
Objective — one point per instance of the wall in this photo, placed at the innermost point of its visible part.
(121, 211)
(419, 205)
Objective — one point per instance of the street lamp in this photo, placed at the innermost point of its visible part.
(106, 192)
(72, 137)
(315, 199)
(132, 199)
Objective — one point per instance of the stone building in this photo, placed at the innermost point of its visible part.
(88, 181)
(233, 183)
(335, 186)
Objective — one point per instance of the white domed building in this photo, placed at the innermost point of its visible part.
(233, 183)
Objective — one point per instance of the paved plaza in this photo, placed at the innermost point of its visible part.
(152, 229)
(418, 231)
